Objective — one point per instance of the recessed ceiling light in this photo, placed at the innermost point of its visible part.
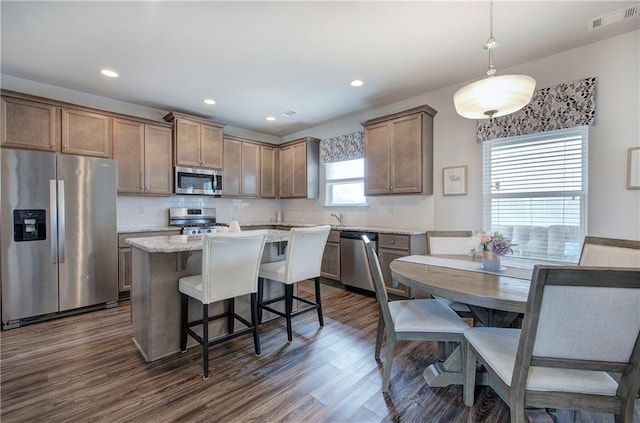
(209, 101)
(357, 83)
(109, 73)
(270, 118)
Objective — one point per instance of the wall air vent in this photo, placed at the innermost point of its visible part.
(614, 17)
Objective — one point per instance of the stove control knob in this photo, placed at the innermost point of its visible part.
(193, 232)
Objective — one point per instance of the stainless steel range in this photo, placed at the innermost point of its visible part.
(193, 221)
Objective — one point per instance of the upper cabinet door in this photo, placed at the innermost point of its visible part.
(158, 160)
(250, 169)
(231, 184)
(211, 146)
(300, 170)
(29, 124)
(377, 158)
(286, 172)
(187, 145)
(268, 165)
(128, 150)
(86, 133)
(406, 154)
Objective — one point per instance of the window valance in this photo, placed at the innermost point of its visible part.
(561, 106)
(343, 147)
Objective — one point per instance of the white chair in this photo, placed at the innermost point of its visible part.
(409, 320)
(454, 243)
(580, 325)
(303, 259)
(610, 252)
(230, 263)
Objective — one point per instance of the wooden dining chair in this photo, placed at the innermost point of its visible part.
(581, 324)
(409, 320)
(230, 263)
(454, 243)
(610, 252)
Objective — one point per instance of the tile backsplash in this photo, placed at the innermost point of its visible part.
(395, 212)
(139, 212)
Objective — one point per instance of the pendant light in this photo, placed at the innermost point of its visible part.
(495, 95)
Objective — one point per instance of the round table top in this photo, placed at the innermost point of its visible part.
(480, 289)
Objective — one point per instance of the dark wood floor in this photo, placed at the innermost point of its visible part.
(85, 368)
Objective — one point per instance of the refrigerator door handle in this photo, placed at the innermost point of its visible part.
(61, 222)
(53, 221)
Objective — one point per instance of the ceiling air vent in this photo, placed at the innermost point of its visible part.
(289, 113)
(614, 17)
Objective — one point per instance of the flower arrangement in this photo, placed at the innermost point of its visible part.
(495, 243)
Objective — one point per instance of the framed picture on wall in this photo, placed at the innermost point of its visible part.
(454, 180)
(633, 168)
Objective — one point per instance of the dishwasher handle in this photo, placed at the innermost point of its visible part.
(358, 235)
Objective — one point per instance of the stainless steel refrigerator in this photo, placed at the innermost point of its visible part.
(58, 234)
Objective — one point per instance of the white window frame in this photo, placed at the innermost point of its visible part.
(330, 183)
(580, 194)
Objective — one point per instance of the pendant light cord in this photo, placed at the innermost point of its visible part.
(491, 43)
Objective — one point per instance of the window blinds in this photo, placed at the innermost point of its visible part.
(534, 191)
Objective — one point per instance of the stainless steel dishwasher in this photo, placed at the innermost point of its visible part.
(354, 268)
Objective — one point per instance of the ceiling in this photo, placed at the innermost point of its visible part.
(267, 58)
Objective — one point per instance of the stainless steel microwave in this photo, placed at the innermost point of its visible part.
(199, 181)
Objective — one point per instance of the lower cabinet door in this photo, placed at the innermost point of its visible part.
(386, 257)
(124, 269)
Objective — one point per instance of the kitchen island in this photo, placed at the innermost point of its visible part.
(157, 263)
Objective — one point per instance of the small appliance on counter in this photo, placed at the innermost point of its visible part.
(193, 221)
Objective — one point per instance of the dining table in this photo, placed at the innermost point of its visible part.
(495, 298)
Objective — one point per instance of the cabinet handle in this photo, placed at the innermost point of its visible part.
(392, 241)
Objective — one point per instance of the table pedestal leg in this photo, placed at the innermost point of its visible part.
(449, 372)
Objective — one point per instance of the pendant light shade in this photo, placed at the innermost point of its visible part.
(494, 96)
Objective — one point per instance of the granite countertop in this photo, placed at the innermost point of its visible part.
(385, 230)
(147, 229)
(181, 243)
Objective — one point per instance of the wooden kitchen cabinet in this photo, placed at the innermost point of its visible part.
(398, 152)
(268, 167)
(393, 246)
(299, 168)
(197, 141)
(331, 258)
(30, 124)
(86, 133)
(241, 168)
(124, 256)
(144, 156)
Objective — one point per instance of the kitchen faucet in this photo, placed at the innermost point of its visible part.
(339, 217)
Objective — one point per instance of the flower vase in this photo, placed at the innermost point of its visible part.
(490, 261)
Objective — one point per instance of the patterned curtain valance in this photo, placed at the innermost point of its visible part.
(562, 106)
(344, 147)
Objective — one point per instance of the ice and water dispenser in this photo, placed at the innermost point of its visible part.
(29, 225)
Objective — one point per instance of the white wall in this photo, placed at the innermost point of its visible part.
(613, 210)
